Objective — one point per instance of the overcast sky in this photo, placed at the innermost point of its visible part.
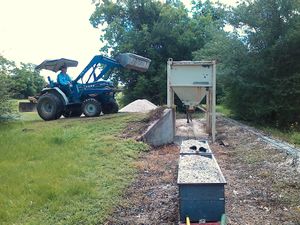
(35, 30)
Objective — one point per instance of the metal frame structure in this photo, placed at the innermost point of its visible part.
(206, 83)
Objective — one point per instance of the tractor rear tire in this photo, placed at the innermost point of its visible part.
(91, 107)
(72, 113)
(110, 107)
(49, 107)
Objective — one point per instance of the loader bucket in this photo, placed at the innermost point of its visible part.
(133, 62)
(27, 107)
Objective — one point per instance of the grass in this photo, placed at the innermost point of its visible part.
(69, 171)
(224, 110)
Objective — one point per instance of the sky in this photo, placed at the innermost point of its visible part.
(32, 31)
(36, 30)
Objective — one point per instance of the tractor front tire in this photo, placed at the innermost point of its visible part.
(91, 107)
(49, 107)
(110, 107)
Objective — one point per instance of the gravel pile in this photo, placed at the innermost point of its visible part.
(140, 105)
(194, 169)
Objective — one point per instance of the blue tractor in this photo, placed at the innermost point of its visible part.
(88, 94)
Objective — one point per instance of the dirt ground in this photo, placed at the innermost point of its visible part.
(263, 185)
(153, 196)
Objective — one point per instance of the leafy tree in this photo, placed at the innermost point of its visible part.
(267, 90)
(20, 82)
(16, 83)
(26, 81)
(258, 66)
(155, 30)
(5, 105)
(5, 70)
(230, 54)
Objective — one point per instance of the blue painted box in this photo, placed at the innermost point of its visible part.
(201, 188)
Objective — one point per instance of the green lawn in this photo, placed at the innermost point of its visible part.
(69, 171)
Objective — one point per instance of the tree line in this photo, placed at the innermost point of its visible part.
(256, 45)
(17, 82)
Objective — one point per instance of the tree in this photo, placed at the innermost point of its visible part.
(26, 81)
(154, 30)
(230, 54)
(17, 83)
(269, 87)
(5, 70)
(258, 66)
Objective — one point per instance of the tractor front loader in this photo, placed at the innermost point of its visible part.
(88, 94)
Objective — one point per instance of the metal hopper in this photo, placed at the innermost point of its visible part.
(189, 80)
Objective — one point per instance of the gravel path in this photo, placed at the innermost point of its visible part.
(278, 144)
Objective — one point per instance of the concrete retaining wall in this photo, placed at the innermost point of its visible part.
(161, 131)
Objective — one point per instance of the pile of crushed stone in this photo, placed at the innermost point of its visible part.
(140, 105)
(198, 169)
